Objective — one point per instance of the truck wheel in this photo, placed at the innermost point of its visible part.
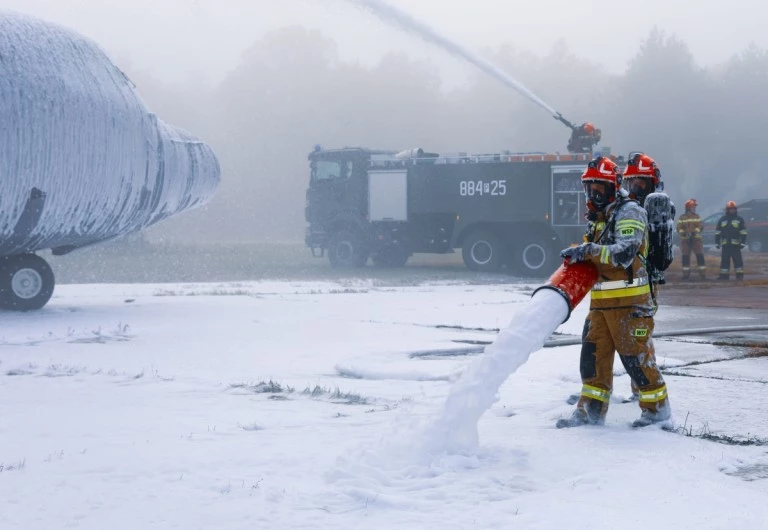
(26, 282)
(534, 257)
(347, 250)
(390, 257)
(757, 246)
(483, 251)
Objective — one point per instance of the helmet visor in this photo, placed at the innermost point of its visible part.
(599, 194)
(639, 188)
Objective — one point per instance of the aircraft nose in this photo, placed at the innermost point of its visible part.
(193, 164)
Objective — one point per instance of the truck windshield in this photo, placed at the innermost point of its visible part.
(325, 170)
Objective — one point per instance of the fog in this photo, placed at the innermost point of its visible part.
(263, 82)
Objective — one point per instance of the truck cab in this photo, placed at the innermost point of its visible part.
(337, 204)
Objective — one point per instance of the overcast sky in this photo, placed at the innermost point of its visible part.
(178, 40)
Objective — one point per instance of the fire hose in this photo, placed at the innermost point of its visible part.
(573, 282)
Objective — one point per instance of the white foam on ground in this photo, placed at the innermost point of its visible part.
(450, 440)
(477, 390)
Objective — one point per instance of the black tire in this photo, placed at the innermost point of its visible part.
(346, 250)
(26, 282)
(534, 256)
(390, 257)
(483, 251)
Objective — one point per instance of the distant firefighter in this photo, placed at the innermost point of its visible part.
(731, 235)
(689, 228)
(583, 138)
(82, 159)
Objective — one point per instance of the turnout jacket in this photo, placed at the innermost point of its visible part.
(619, 249)
(730, 230)
(689, 225)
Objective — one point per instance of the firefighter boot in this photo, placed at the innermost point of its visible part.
(739, 276)
(660, 417)
(577, 419)
(702, 274)
(588, 412)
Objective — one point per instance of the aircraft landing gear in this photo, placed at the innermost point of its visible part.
(26, 282)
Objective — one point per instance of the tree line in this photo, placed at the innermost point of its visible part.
(706, 127)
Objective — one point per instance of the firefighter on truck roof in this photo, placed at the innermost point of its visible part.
(689, 228)
(731, 235)
(621, 311)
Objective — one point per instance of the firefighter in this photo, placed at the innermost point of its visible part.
(621, 311)
(641, 176)
(583, 138)
(731, 235)
(689, 228)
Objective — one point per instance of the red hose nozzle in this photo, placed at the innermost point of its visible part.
(572, 281)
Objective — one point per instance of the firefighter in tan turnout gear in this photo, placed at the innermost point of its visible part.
(731, 235)
(621, 312)
(689, 228)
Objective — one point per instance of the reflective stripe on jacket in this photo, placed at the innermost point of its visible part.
(689, 225)
(730, 230)
(624, 245)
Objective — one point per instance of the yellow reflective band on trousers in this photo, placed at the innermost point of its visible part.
(654, 396)
(595, 393)
(620, 293)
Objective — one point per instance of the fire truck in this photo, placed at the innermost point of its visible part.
(513, 210)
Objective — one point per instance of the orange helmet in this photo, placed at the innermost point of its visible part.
(730, 204)
(690, 204)
(588, 128)
(641, 165)
(601, 170)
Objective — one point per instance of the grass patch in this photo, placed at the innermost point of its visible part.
(205, 292)
(251, 427)
(337, 291)
(18, 466)
(758, 351)
(63, 370)
(705, 433)
(279, 392)
(28, 370)
(336, 395)
(263, 387)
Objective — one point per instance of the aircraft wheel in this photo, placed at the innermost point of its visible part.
(26, 282)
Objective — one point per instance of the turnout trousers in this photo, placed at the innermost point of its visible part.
(731, 252)
(627, 332)
(695, 245)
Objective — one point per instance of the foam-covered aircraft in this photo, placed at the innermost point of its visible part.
(82, 159)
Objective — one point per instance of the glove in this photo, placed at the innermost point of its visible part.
(741, 246)
(578, 253)
(717, 246)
